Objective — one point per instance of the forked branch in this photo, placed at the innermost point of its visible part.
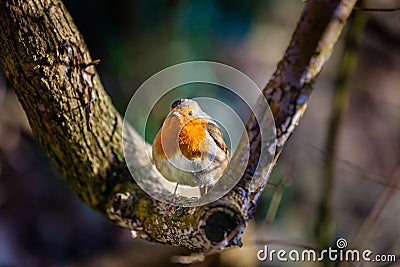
(48, 64)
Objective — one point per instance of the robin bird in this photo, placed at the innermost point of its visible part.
(189, 149)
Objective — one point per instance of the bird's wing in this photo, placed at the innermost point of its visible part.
(216, 134)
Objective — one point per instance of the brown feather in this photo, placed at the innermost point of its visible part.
(216, 134)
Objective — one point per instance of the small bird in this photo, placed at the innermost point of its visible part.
(189, 149)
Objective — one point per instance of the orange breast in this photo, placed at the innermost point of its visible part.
(191, 138)
(167, 142)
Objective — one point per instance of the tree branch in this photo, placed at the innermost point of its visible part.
(47, 62)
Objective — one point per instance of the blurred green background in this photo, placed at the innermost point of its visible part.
(43, 223)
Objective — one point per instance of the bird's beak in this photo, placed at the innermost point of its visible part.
(176, 113)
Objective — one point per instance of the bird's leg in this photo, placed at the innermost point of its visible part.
(175, 196)
(203, 190)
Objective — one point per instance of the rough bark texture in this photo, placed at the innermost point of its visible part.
(47, 62)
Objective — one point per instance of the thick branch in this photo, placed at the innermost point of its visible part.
(47, 62)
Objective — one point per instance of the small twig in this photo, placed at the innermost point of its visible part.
(92, 63)
(377, 9)
(377, 209)
(375, 213)
(277, 195)
(362, 172)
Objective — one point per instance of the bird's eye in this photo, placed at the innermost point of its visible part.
(190, 113)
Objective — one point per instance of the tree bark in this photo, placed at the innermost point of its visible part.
(47, 62)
